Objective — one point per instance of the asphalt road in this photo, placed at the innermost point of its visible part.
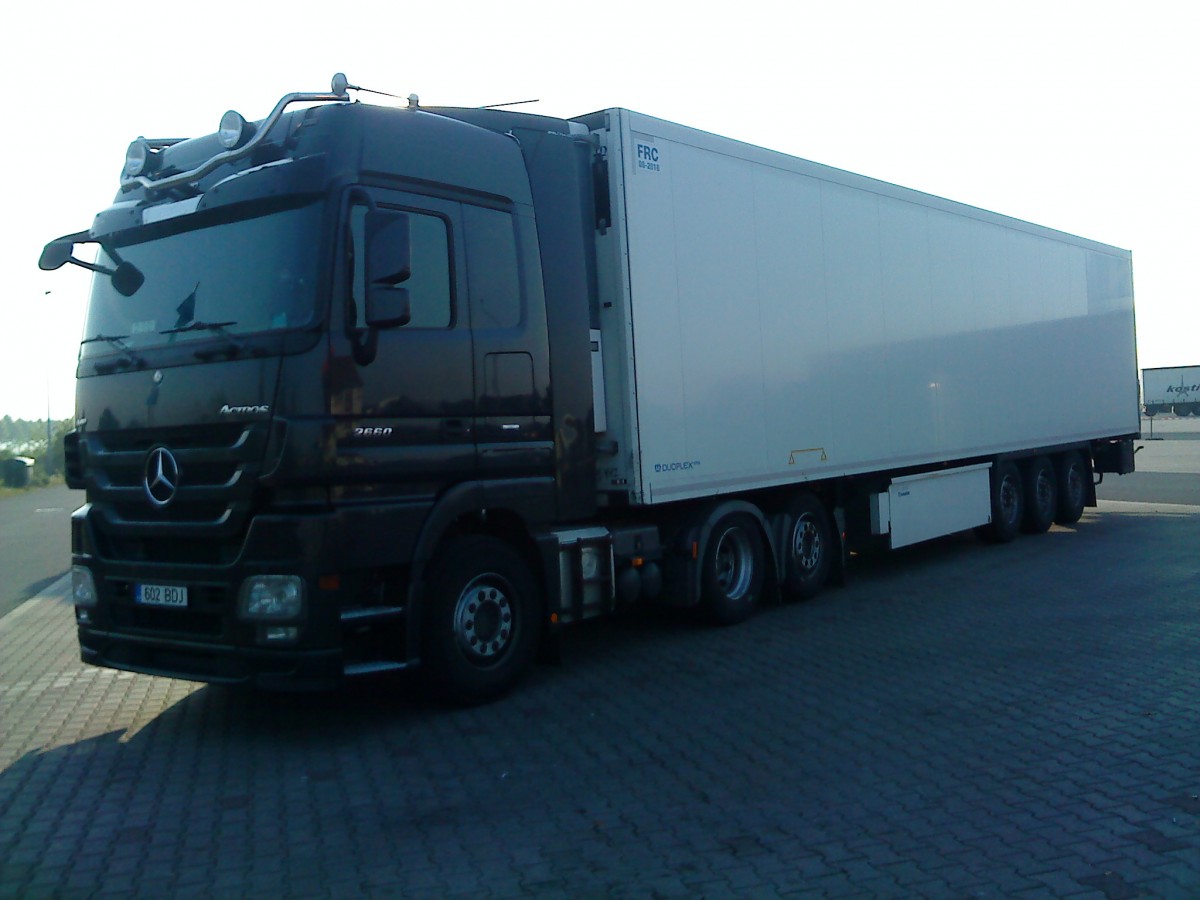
(1168, 465)
(35, 541)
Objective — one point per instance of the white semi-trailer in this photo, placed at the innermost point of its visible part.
(364, 388)
(1171, 389)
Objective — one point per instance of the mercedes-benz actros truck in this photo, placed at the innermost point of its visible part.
(365, 388)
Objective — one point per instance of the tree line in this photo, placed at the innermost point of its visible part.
(27, 437)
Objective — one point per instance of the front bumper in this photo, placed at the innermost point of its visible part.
(271, 669)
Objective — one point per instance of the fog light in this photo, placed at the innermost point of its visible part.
(83, 586)
(271, 598)
(589, 563)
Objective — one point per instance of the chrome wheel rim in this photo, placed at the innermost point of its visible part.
(806, 544)
(483, 618)
(734, 559)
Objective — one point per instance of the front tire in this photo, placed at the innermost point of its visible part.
(482, 623)
(733, 570)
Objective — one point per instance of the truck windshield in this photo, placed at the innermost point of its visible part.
(224, 278)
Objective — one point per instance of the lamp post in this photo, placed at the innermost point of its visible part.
(49, 431)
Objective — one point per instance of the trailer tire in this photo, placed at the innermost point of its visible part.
(732, 570)
(1041, 496)
(1072, 474)
(1008, 501)
(1182, 409)
(808, 548)
(482, 622)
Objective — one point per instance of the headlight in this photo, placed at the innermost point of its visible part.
(83, 587)
(271, 598)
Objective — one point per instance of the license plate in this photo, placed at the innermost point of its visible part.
(161, 595)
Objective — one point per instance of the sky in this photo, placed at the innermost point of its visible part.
(1076, 115)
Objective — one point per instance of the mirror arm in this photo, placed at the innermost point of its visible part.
(92, 267)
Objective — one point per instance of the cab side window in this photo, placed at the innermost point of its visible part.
(492, 275)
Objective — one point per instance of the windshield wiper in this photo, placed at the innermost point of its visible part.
(117, 340)
(219, 328)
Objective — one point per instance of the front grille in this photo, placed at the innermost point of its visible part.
(204, 521)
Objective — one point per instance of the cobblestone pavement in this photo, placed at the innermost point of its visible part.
(961, 720)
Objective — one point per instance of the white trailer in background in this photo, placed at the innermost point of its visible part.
(1171, 389)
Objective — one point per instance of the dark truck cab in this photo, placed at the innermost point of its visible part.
(316, 380)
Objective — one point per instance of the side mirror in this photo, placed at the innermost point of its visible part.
(389, 248)
(387, 306)
(56, 254)
(126, 277)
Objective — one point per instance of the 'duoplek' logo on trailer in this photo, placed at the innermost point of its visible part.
(648, 158)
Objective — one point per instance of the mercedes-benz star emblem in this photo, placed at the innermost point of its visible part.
(161, 477)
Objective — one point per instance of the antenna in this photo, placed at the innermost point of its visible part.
(512, 103)
(341, 85)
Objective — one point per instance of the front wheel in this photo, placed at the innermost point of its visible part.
(483, 619)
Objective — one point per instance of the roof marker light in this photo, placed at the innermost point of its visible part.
(234, 130)
(139, 159)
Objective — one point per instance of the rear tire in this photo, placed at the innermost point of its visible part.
(733, 570)
(482, 622)
(808, 548)
(1008, 502)
(1041, 496)
(1072, 475)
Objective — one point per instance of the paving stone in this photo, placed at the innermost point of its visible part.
(960, 720)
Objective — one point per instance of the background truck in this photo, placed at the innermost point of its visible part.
(363, 388)
(1171, 389)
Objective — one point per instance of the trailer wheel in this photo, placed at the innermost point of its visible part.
(1041, 496)
(733, 570)
(1183, 409)
(1008, 501)
(482, 622)
(1072, 475)
(808, 549)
